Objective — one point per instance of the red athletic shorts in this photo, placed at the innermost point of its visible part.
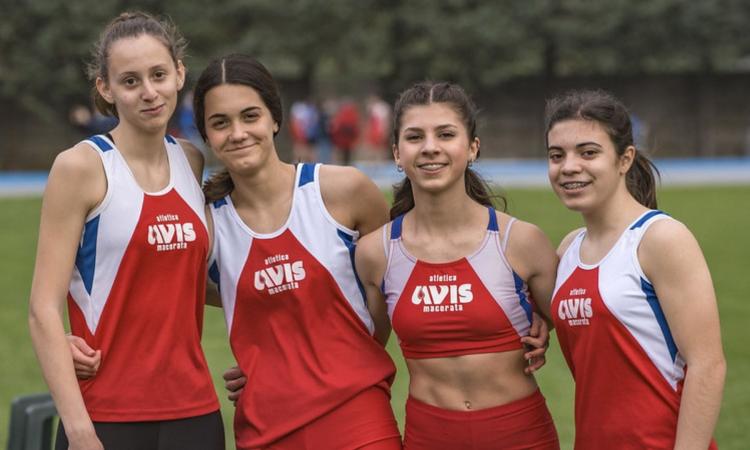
(521, 424)
(365, 422)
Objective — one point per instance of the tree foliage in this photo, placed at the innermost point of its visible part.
(44, 43)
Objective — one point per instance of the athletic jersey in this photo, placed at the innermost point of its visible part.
(298, 323)
(616, 341)
(476, 304)
(137, 294)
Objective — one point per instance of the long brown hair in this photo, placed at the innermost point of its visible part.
(604, 108)
(241, 70)
(130, 25)
(426, 93)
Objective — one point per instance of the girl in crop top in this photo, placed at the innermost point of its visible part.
(460, 281)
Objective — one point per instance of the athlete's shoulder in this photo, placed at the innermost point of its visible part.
(567, 240)
(352, 198)
(194, 157)
(521, 233)
(372, 241)
(77, 174)
(663, 235)
(81, 160)
(343, 178)
(370, 256)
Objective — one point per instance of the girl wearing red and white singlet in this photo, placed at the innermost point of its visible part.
(123, 238)
(634, 306)
(300, 329)
(460, 281)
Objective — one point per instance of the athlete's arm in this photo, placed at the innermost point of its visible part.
(212, 292)
(672, 260)
(370, 263)
(195, 157)
(531, 255)
(536, 343)
(353, 199)
(76, 184)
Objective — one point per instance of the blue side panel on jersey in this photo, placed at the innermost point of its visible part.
(307, 175)
(653, 302)
(220, 202)
(493, 220)
(170, 139)
(522, 296)
(349, 242)
(643, 219)
(86, 256)
(396, 227)
(101, 143)
(213, 275)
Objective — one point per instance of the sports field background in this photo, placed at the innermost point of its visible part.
(719, 217)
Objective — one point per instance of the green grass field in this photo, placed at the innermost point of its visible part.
(719, 217)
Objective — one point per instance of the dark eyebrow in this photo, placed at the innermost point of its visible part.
(584, 144)
(124, 75)
(439, 127)
(581, 145)
(222, 115)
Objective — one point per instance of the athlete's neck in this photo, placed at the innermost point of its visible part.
(138, 145)
(446, 212)
(613, 216)
(264, 187)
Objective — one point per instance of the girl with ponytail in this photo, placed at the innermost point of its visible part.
(459, 280)
(123, 241)
(647, 308)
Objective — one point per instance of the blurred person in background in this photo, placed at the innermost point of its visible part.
(305, 123)
(377, 127)
(123, 238)
(634, 305)
(345, 130)
(89, 122)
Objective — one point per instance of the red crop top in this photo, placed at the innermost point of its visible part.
(476, 304)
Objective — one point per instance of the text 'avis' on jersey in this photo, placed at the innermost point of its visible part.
(279, 277)
(576, 309)
(170, 236)
(442, 297)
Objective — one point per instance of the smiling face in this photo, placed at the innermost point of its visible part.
(585, 170)
(434, 147)
(142, 82)
(239, 127)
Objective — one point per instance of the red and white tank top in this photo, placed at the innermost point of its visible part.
(614, 336)
(138, 291)
(476, 304)
(296, 314)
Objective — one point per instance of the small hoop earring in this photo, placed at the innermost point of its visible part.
(471, 163)
(399, 168)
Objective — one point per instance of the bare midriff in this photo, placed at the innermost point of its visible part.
(470, 382)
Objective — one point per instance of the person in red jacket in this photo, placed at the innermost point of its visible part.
(345, 130)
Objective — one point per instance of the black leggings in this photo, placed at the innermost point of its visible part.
(193, 433)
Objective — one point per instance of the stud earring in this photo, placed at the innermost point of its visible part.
(399, 168)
